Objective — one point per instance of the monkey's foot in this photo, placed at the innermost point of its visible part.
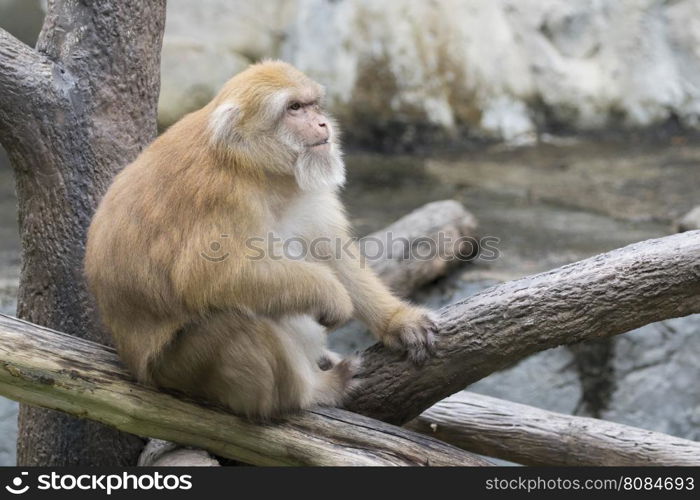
(328, 360)
(338, 382)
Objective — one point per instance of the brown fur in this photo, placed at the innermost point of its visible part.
(238, 331)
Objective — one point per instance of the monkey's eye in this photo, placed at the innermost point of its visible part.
(295, 106)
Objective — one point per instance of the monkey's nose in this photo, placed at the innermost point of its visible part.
(322, 125)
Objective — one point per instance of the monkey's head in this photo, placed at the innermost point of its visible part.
(270, 117)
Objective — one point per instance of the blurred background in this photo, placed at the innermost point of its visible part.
(568, 127)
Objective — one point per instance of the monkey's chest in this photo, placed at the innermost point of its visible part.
(298, 229)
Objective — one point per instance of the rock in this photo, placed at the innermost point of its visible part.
(547, 380)
(690, 221)
(504, 68)
(656, 378)
(401, 72)
(192, 75)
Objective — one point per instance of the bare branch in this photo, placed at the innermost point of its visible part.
(603, 296)
(531, 436)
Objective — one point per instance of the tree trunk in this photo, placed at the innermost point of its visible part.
(73, 112)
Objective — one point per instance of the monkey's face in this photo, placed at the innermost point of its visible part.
(310, 135)
(270, 116)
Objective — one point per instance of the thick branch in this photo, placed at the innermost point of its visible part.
(531, 436)
(605, 295)
(110, 53)
(25, 80)
(42, 367)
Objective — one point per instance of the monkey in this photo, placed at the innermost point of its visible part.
(245, 329)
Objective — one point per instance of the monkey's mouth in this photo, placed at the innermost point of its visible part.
(320, 143)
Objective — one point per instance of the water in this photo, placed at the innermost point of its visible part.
(548, 205)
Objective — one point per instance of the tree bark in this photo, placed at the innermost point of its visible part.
(72, 113)
(531, 436)
(603, 296)
(43, 367)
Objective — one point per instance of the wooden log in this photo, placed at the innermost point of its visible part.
(445, 224)
(54, 370)
(532, 436)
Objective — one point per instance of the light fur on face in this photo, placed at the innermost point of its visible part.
(316, 169)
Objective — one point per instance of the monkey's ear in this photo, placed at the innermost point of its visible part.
(224, 124)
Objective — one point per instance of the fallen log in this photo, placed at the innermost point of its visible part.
(45, 368)
(444, 224)
(531, 436)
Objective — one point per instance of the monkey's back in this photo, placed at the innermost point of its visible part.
(136, 238)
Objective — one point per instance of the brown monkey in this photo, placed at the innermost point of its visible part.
(194, 300)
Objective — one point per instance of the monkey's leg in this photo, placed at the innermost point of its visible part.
(333, 386)
(255, 366)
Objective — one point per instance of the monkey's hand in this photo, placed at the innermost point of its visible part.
(411, 329)
(336, 305)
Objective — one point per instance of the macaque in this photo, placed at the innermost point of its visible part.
(182, 255)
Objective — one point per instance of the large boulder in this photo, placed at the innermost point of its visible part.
(656, 374)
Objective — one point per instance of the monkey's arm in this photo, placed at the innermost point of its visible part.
(266, 286)
(285, 286)
(395, 322)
